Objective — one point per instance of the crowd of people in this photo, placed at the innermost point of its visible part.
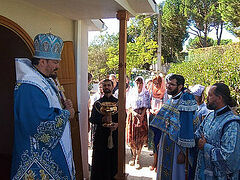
(190, 139)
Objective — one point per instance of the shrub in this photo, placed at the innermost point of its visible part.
(207, 66)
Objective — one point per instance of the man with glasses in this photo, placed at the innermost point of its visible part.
(175, 122)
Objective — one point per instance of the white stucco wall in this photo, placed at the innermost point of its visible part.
(81, 54)
(35, 20)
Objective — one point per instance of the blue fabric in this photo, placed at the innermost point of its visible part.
(168, 113)
(180, 118)
(38, 129)
(201, 112)
(186, 135)
(220, 158)
(178, 172)
(156, 138)
(48, 46)
(175, 135)
(167, 157)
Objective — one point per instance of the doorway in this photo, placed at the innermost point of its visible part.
(11, 46)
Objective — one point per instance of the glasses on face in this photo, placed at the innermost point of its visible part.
(171, 84)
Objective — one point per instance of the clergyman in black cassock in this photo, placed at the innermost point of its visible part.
(104, 159)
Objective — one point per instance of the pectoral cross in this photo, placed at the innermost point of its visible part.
(60, 89)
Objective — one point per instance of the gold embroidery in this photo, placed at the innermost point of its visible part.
(195, 121)
(30, 175)
(17, 86)
(45, 138)
(43, 175)
(59, 122)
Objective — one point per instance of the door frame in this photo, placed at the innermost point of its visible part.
(19, 31)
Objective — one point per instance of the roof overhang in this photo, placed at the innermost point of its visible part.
(96, 25)
(95, 9)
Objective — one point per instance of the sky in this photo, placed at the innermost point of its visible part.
(113, 28)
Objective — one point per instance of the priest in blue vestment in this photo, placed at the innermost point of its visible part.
(175, 122)
(42, 135)
(218, 138)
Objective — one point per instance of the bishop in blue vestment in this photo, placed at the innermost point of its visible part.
(218, 138)
(42, 136)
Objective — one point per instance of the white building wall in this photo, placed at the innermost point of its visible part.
(81, 56)
(35, 20)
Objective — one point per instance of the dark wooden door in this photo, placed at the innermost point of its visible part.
(11, 46)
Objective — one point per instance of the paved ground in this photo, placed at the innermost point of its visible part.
(133, 174)
(144, 173)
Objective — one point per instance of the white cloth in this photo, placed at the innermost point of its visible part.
(197, 90)
(25, 73)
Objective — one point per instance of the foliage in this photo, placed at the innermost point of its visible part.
(97, 56)
(230, 11)
(174, 29)
(195, 42)
(138, 53)
(203, 17)
(144, 73)
(223, 42)
(213, 64)
(143, 25)
(176, 16)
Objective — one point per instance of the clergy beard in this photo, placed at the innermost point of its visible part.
(211, 106)
(54, 76)
(173, 93)
(107, 91)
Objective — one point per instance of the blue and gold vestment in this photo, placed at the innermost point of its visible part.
(42, 136)
(175, 122)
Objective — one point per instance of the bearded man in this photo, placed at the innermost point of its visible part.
(105, 156)
(218, 138)
(42, 135)
(175, 122)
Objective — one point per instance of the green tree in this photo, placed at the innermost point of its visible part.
(230, 11)
(174, 29)
(209, 65)
(195, 43)
(143, 25)
(139, 53)
(203, 17)
(97, 57)
(223, 42)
